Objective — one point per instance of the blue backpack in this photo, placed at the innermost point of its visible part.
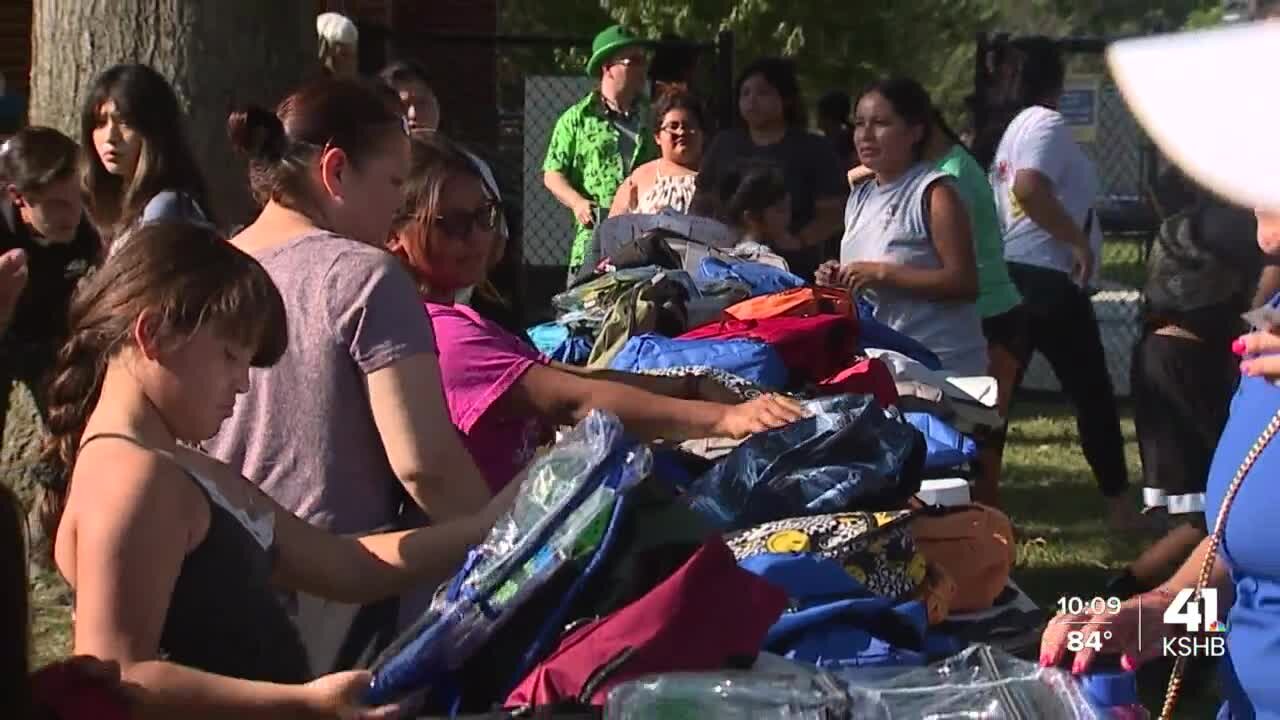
(836, 623)
(945, 447)
(762, 279)
(566, 510)
(548, 336)
(849, 454)
(748, 359)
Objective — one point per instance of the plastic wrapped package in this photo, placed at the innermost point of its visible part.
(977, 684)
(564, 505)
(981, 683)
(552, 483)
(730, 696)
(849, 454)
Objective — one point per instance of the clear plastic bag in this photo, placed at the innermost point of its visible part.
(551, 482)
(981, 683)
(729, 696)
(563, 507)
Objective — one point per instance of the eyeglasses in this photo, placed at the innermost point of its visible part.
(674, 128)
(459, 223)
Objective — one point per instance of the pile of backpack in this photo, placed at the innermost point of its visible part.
(661, 302)
(622, 560)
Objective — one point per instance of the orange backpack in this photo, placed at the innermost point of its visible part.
(974, 545)
(796, 302)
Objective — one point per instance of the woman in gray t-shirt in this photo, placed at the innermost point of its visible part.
(351, 426)
(907, 243)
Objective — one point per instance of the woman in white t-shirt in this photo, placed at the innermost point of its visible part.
(1044, 188)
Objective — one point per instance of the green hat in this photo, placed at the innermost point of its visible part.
(609, 41)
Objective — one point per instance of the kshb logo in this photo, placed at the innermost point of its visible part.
(1195, 615)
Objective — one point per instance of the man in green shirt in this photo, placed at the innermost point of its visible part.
(600, 139)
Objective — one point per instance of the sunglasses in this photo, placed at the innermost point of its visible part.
(460, 223)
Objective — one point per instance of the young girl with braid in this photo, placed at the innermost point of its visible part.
(174, 557)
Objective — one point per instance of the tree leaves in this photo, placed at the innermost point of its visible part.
(845, 45)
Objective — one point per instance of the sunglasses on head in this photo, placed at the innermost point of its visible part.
(459, 223)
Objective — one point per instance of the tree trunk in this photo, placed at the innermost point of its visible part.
(217, 53)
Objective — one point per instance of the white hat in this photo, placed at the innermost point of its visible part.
(1208, 101)
(337, 28)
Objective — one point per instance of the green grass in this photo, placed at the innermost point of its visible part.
(51, 621)
(1064, 545)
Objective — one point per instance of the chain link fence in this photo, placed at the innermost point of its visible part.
(1125, 163)
(503, 101)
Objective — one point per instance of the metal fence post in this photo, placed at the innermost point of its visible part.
(728, 104)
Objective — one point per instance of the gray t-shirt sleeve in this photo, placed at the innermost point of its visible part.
(374, 310)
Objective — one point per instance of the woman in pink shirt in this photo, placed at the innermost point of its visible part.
(504, 397)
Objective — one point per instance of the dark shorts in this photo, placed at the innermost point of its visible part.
(1181, 396)
(1009, 330)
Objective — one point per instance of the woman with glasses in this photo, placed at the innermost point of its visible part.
(668, 182)
(504, 398)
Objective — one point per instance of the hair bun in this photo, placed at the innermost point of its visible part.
(257, 132)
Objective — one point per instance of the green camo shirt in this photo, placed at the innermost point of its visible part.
(585, 149)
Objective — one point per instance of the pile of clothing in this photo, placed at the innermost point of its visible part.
(758, 328)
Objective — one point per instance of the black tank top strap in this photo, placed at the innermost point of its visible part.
(114, 436)
(225, 614)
